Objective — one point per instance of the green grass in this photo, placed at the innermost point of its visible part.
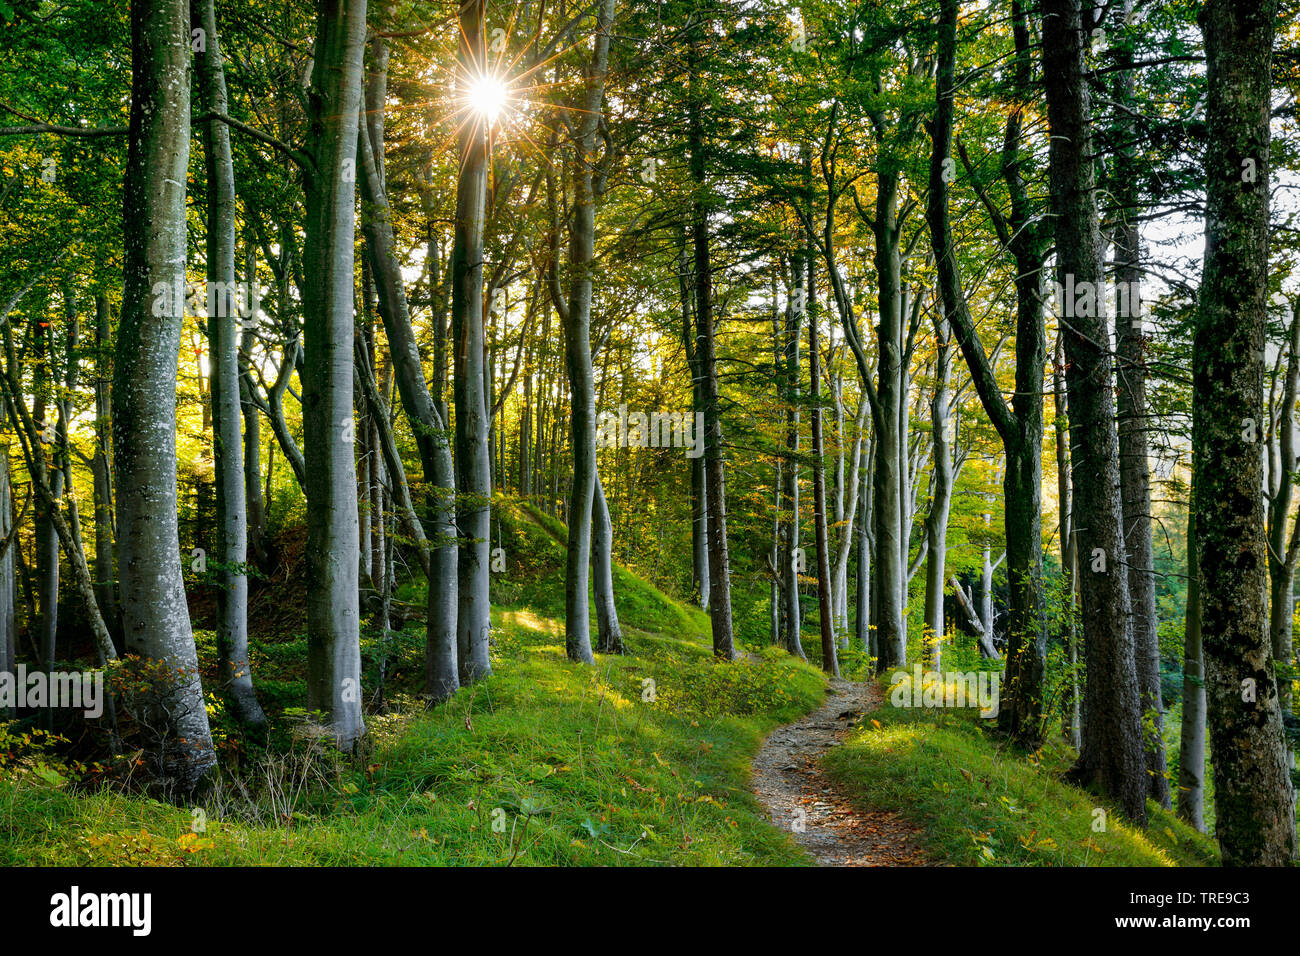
(640, 760)
(981, 802)
(574, 765)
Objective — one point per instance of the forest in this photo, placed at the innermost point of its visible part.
(685, 433)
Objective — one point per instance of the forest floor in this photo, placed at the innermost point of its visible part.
(663, 756)
(977, 800)
(641, 760)
(801, 799)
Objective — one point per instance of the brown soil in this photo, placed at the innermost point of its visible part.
(802, 800)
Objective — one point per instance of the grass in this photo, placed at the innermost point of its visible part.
(981, 802)
(642, 759)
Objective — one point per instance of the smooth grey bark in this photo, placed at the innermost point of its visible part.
(256, 503)
(791, 613)
(862, 597)
(941, 481)
(576, 318)
(609, 634)
(223, 343)
(846, 498)
(830, 660)
(1112, 753)
(8, 578)
(714, 463)
(155, 617)
(441, 665)
(425, 411)
(473, 476)
(847, 519)
(987, 567)
(526, 433)
(699, 486)
(1191, 736)
(775, 579)
(333, 533)
(101, 466)
(1254, 798)
(369, 510)
(1284, 550)
(46, 541)
(976, 619)
(912, 456)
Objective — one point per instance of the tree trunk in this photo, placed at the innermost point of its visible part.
(577, 349)
(1072, 721)
(988, 619)
(1112, 754)
(609, 633)
(223, 344)
(936, 522)
(1191, 741)
(1254, 799)
(862, 609)
(425, 410)
(830, 661)
(329, 432)
(714, 468)
(890, 565)
(778, 481)
(1284, 551)
(473, 477)
(8, 580)
(699, 486)
(256, 504)
(1135, 479)
(1020, 425)
(101, 469)
(46, 541)
(155, 617)
(847, 523)
(791, 613)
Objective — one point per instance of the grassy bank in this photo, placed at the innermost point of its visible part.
(642, 759)
(982, 802)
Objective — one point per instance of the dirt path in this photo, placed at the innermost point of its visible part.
(789, 782)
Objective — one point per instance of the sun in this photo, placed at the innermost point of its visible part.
(487, 97)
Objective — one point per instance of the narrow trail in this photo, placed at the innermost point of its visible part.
(802, 800)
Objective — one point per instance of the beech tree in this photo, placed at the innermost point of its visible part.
(155, 616)
(587, 175)
(225, 309)
(473, 479)
(333, 533)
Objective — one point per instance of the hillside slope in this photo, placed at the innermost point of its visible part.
(642, 759)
